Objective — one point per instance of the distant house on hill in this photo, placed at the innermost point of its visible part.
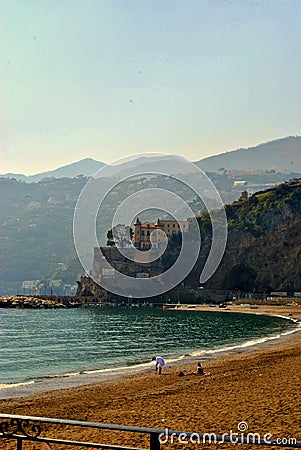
(29, 284)
(239, 183)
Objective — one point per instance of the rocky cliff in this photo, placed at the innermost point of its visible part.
(264, 245)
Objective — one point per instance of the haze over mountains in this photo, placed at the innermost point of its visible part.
(87, 167)
(281, 155)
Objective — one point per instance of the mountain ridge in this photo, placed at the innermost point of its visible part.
(281, 155)
(86, 167)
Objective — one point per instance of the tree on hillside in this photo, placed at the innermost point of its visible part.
(244, 196)
(110, 239)
(120, 235)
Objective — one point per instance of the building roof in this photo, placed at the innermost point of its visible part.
(148, 224)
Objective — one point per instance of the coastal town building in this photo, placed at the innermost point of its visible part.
(142, 232)
(30, 284)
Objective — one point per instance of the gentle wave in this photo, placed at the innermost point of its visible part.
(252, 342)
(16, 385)
(287, 318)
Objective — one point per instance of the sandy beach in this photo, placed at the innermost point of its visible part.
(260, 387)
(284, 311)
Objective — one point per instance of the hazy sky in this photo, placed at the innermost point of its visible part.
(108, 78)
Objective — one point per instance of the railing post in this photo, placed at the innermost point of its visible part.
(154, 441)
(19, 443)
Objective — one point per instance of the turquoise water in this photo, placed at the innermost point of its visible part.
(38, 344)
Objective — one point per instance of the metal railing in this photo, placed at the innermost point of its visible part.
(28, 428)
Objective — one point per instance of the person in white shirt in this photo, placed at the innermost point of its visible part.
(159, 363)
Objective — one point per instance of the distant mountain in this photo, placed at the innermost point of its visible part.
(89, 167)
(282, 155)
(86, 167)
(17, 176)
(153, 164)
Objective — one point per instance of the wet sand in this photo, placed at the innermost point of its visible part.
(261, 387)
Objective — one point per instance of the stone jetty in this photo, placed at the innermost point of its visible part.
(22, 301)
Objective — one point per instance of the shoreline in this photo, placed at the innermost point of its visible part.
(92, 377)
(288, 312)
(260, 387)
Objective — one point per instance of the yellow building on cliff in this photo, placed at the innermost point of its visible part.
(142, 231)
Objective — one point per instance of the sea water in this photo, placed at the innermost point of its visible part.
(45, 349)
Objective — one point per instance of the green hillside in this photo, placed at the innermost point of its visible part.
(36, 227)
(264, 243)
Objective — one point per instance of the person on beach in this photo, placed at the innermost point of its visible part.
(159, 363)
(199, 371)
